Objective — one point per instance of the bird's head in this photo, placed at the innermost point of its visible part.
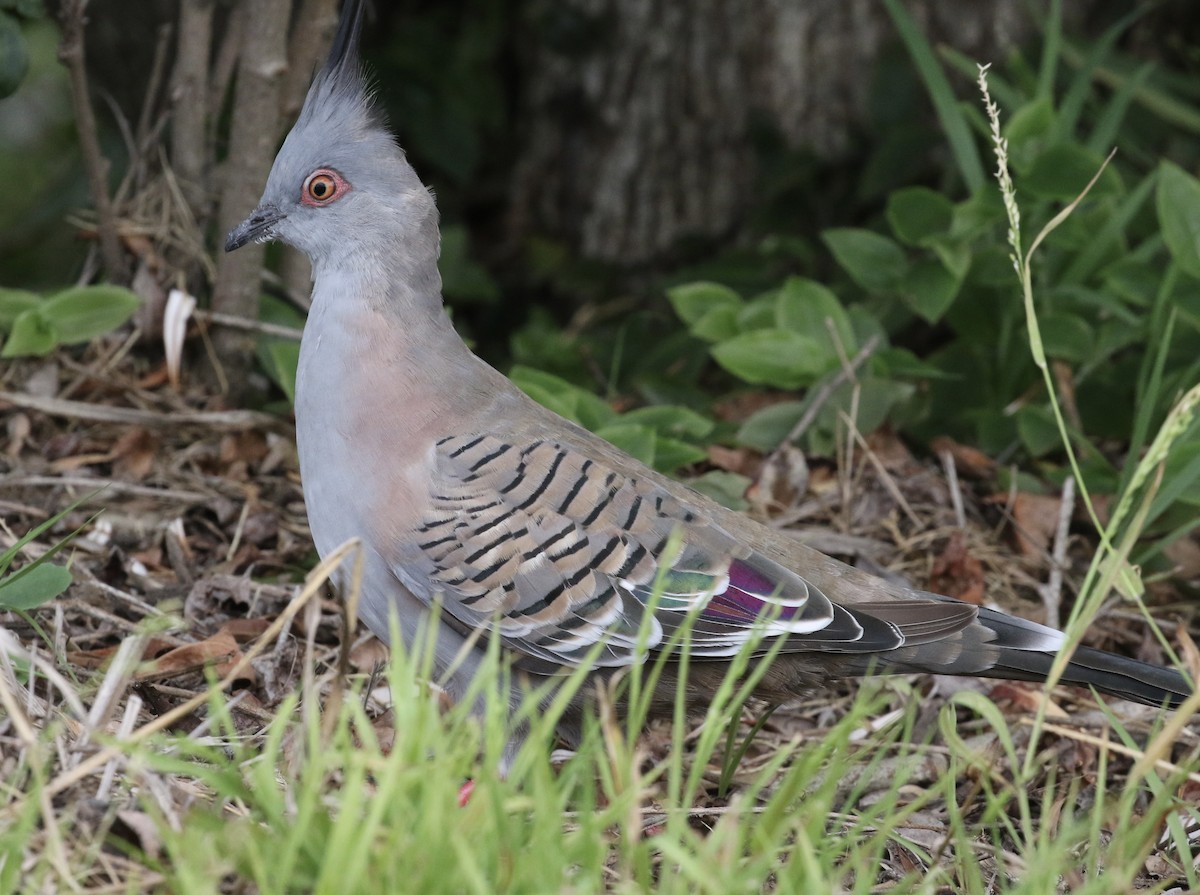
(340, 182)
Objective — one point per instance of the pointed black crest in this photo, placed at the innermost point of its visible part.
(343, 54)
(340, 99)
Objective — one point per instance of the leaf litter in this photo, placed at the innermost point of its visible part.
(203, 543)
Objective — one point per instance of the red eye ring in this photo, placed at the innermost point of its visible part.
(323, 186)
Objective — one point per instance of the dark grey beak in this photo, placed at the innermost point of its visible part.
(259, 227)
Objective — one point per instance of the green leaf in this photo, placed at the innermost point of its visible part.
(766, 428)
(1038, 430)
(34, 587)
(930, 288)
(874, 262)
(1029, 125)
(13, 302)
(758, 313)
(564, 398)
(1061, 172)
(804, 305)
(669, 419)
(693, 301)
(717, 324)
(917, 213)
(85, 312)
(671, 454)
(726, 488)
(776, 357)
(1133, 279)
(902, 362)
(464, 278)
(1177, 197)
(638, 441)
(284, 358)
(14, 55)
(31, 335)
(1067, 337)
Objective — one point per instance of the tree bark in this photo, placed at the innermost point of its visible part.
(191, 148)
(639, 111)
(253, 140)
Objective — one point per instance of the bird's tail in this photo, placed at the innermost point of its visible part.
(1003, 646)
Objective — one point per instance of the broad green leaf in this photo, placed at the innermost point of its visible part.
(33, 587)
(1038, 430)
(804, 305)
(758, 313)
(917, 213)
(1067, 337)
(902, 362)
(284, 357)
(776, 357)
(693, 301)
(978, 214)
(957, 255)
(1177, 198)
(1027, 127)
(672, 420)
(1134, 280)
(31, 335)
(766, 428)
(718, 324)
(564, 398)
(873, 261)
(12, 303)
(930, 289)
(638, 441)
(726, 488)
(1061, 172)
(671, 454)
(278, 356)
(85, 312)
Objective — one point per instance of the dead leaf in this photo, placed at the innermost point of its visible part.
(744, 405)
(892, 453)
(1028, 698)
(98, 658)
(18, 428)
(243, 447)
(134, 453)
(743, 461)
(245, 630)
(957, 573)
(220, 651)
(1035, 521)
(1185, 554)
(970, 462)
(139, 829)
(369, 654)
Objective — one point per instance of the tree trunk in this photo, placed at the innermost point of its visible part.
(639, 111)
(253, 140)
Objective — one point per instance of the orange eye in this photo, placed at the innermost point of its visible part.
(323, 186)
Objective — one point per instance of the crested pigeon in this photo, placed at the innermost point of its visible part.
(518, 524)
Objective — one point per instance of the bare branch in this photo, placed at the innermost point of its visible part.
(72, 20)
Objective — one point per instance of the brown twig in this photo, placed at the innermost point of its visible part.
(70, 52)
(824, 393)
(130, 416)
